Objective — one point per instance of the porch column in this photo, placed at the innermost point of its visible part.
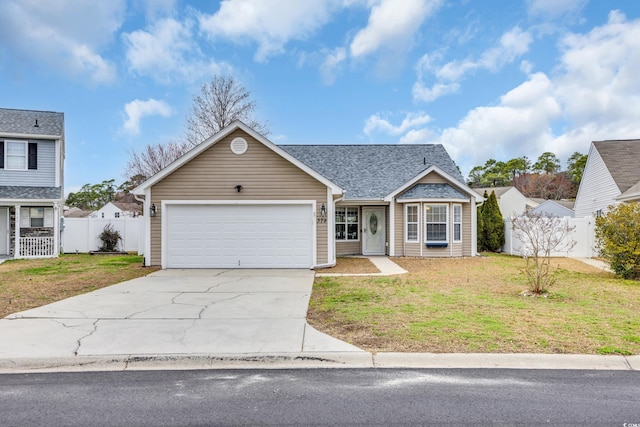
(16, 249)
(56, 229)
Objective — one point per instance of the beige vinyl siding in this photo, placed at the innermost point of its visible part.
(348, 248)
(215, 173)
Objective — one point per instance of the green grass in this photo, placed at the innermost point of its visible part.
(26, 284)
(475, 305)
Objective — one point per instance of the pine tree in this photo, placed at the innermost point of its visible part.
(493, 224)
(482, 244)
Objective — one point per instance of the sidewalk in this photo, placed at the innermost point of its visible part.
(382, 263)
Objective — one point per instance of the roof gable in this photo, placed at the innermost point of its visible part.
(374, 171)
(205, 145)
(622, 159)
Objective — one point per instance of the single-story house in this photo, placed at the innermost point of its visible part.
(118, 210)
(611, 176)
(237, 200)
(557, 208)
(510, 200)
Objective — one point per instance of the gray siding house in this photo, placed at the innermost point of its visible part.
(31, 182)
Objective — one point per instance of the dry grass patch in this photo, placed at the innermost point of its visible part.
(351, 265)
(25, 284)
(474, 305)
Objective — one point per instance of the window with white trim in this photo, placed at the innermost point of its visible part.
(36, 217)
(457, 223)
(412, 223)
(347, 223)
(435, 224)
(15, 155)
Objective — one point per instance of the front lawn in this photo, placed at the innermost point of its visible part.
(26, 284)
(474, 305)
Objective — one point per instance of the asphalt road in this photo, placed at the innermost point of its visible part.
(321, 397)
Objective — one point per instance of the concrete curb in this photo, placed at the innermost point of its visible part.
(319, 360)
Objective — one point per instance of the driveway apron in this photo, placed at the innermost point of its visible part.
(175, 312)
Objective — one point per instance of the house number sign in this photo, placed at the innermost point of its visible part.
(373, 223)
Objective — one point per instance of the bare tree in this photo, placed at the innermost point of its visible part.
(541, 235)
(153, 158)
(220, 102)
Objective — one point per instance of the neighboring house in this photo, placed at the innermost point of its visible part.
(31, 182)
(611, 176)
(510, 200)
(118, 210)
(238, 200)
(559, 208)
(74, 212)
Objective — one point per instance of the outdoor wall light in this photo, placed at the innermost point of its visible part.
(323, 211)
(152, 210)
(239, 188)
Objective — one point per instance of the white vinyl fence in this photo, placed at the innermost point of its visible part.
(82, 234)
(583, 234)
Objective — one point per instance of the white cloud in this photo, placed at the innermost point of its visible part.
(554, 8)
(512, 45)
(412, 126)
(269, 23)
(518, 125)
(167, 52)
(157, 8)
(331, 65)
(137, 109)
(392, 25)
(64, 34)
(594, 94)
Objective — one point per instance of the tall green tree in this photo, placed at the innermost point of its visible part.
(575, 167)
(547, 163)
(91, 197)
(482, 246)
(493, 224)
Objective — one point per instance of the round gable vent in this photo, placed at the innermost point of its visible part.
(239, 146)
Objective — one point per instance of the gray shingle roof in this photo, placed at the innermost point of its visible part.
(373, 171)
(23, 122)
(432, 191)
(15, 192)
(622, 158)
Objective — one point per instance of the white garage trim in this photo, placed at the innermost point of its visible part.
(166, 204)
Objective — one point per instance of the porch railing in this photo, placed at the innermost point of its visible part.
(36, 247)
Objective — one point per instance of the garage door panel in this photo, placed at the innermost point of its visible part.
(245, 236)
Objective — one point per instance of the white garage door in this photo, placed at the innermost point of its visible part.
(239, 236)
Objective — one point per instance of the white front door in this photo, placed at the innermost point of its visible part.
(4, 231)
(374, 231)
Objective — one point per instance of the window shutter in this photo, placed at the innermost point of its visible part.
(25, 220)
(48, 217)
(33, 155)
(1, 154)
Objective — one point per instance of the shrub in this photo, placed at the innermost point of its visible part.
(541, 235)
(491, 234)
(618, 239)
(110, 239)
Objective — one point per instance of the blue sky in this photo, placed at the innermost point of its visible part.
(486, 78)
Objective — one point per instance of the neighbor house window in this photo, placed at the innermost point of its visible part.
(117, 214)
(347, 223)
(36, 217)
(412, 223)
(457, 223)
(15, 155)
(435, 223)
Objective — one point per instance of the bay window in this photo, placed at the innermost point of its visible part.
(435, 223)
(412, 223)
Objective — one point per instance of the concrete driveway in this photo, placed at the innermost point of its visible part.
(175, 312)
